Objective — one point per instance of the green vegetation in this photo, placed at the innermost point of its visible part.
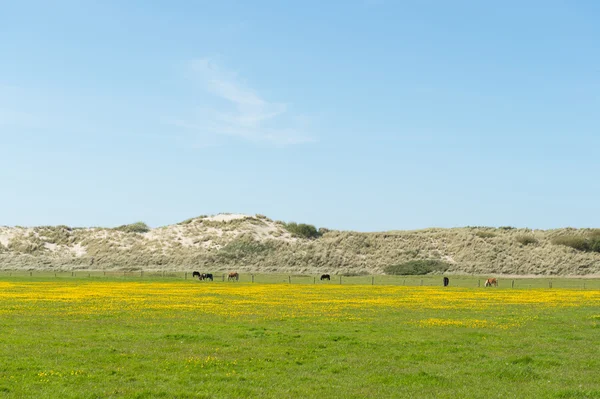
(587, 243)
(526, 239)
(138, 227)
(417, 267)
(30, 245)
(192, 339)
(244, 247)
(258, 244)
(302, 230)
(485, 234)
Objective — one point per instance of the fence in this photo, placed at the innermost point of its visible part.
(280, 278)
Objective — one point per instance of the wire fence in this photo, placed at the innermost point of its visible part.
(282, 278)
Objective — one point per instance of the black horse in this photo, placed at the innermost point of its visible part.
(196, 274)
(325, 277)
(446, 281)
(206, 276)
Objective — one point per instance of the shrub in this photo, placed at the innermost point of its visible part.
(302, 230)
(485, 234)
(595, 244)
(243, 247)
(526, 239)
(139, 227)
(576, 242)
(416, 267)
(507, 228)
(323, 230)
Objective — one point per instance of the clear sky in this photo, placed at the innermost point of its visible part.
(356, 114)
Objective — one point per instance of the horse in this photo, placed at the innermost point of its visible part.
(491, 281)
(197, 274)
(446, 281)
(233, 276)
(206, 276)
(326, 277)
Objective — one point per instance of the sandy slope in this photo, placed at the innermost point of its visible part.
(256, 243)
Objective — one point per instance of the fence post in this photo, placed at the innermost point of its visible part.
(104, 273)
(185, 276)
(253, 278)
(54, 275)
(30, 274)
(71, 274)
(372, 280)
(404, 282)
(223, 276)
(421, 282)
(89, 275)
(290, 279)
(314, 280)
(478, 283)
(340, 279)
(513, 284)
(141, 274)
(549, 284)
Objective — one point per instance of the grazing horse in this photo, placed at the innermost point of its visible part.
(491, 281)
(206, 276)
(326, 277)
(446, 281)
(196, 274)
(233, 276)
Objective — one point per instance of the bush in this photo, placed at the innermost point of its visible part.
(323, 230)
(417, 267)
(139, 227)
(243, 247)
(526, 239)
(485, 234)
(576, 242)
(302, 230)
(507, 228)
(595, 244)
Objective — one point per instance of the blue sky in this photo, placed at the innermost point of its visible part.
(359, 114)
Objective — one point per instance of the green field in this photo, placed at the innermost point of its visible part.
(103, 336)
(464, 281)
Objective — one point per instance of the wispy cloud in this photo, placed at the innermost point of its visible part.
(240, 110)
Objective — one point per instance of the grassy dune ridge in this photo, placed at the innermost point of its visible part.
(259, 244)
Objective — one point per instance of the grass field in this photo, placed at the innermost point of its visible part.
(102, 337)
(464, 281)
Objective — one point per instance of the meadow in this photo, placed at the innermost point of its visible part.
(123, 337)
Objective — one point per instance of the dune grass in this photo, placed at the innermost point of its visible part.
(119, 337)
(258, 244)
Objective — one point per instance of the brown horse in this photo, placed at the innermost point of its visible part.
(491, 281)
(233, 276)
